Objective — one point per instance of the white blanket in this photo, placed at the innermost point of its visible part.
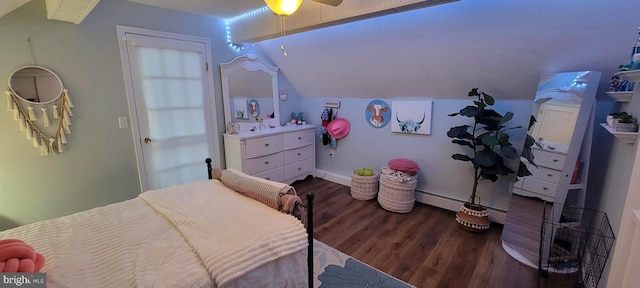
(231, 233)
(125, 244)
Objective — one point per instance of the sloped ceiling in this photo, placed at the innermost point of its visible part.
(440, 52)
(73, 11)
(501, 46)
(7, 6)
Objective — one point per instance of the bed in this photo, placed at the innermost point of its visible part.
(200, 234)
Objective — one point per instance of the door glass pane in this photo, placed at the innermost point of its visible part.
(172, 86)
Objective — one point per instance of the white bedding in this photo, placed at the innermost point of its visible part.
(129, 244)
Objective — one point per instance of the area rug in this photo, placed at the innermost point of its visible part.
(334, 269)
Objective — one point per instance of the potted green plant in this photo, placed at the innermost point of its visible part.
(487, 146)
(626, 123)
(527, 152)
(612, 118)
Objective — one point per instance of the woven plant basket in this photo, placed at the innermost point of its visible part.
(364, 187)
(397, 196)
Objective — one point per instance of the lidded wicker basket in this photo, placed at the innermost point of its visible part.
(364, 187)
(396, 195)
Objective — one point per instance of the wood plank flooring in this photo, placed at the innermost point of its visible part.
(425, 247)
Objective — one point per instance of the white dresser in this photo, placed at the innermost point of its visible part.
(543, 183)
(283, 154)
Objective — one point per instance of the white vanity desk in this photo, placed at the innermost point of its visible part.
(283, 154)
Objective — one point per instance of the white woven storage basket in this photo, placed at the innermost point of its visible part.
(397, 196)
(364, 187)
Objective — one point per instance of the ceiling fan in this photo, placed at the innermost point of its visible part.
(287, 7)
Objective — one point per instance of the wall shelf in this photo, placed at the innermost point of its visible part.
(621, 96)
(627, 137)
(631, 75)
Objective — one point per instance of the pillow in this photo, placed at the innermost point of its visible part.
(404, 165)
(266, 191)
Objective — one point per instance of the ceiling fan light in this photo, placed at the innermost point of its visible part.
(283, 7)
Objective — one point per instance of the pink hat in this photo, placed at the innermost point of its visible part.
(338, 128)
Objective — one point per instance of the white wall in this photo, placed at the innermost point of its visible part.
(99, 166)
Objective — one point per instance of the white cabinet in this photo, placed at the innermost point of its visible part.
(543, 183)
(282, 154)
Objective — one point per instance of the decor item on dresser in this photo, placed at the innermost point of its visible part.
(37, 90)
(233, 127)
(398, 185)
(489, 145)
(364, 183)
(282, 154)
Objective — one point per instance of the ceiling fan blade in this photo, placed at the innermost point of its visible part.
(329, 2)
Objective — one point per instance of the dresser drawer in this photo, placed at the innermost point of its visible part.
(298, 154)
(298, 168)
(540, 187)
(549, 159)
(260, 164)
(273, 174)
(298, 138)
(256, 147)
(545, 174)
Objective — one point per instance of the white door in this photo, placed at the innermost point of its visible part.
(169, 99)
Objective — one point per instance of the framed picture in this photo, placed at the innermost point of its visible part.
(254, 108)
(411, 117)
(378, 113)
(240, 108)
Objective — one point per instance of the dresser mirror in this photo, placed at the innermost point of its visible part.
(564, 108)
(250, 93)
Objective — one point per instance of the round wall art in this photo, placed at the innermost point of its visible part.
(378, 113)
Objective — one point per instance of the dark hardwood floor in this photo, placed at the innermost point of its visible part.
(425, 247)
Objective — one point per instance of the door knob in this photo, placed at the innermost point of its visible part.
(147, 140)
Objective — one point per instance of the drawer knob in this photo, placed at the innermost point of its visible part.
(556, 160)
(550, 175)
(266, 162)
(299, 154)
(299, 168)
(545, 188)
(268, 178)
(299, 138)
(266, 144)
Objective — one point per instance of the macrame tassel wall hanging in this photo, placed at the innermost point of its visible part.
(52, 99)
(32, 115)
(10, 107)
(45, 117)
(56, 115)
(34, 130)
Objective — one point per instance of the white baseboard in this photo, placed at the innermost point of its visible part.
(333, 177)
(497, 216)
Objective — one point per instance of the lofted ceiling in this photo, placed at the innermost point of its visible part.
(436, 52)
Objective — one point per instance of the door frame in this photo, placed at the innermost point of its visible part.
(210, 99)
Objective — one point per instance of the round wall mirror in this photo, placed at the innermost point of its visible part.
(35, 84)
